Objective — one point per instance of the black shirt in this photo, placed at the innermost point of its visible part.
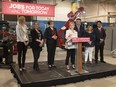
(36, 35)
(92, 38)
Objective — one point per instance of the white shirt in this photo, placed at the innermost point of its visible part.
(71, 34)
(21, 33)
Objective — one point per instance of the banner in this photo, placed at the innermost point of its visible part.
(27, 9)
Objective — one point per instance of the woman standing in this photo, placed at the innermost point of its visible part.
(22, 42)
(89, 46)
(70, 33)
(37, 43)
(51, 38)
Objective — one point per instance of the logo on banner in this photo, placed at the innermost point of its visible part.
(15, 8)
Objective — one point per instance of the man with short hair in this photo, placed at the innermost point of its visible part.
(99, 41)
(79, 28)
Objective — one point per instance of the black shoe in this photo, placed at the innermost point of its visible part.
(2, 63)
(53, 66)
(24, 69)
(73, 67)
(36, 69)
(49, 67)
(103, 61)
(20, 69)
(96, 62)
(67, 69)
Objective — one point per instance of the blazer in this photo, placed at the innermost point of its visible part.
(35, 35)
(99, 35)
(73, 34)
(22, 33)
(81, 32)
(48, 36)
(69, 36)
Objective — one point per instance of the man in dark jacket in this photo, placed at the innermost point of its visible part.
(99, 42)
(50, 35)
(79, 28)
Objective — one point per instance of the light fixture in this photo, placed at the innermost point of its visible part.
(84, 12)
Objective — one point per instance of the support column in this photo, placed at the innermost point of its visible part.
(78, 3)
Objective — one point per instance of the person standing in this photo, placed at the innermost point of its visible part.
(22, 42)
(70, 33)
(37, 43)
(99, 42)
(89, 46)
(50, 35)
(79, 28)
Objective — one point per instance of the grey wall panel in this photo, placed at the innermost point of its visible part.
(114, 39)
(108, 41)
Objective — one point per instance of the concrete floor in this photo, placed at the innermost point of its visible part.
(7, 79)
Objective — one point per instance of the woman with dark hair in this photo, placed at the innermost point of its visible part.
(51, 41)
(37, 43)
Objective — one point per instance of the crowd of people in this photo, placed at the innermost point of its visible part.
(97, 40)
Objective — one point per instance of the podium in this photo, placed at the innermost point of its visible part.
(78, 60)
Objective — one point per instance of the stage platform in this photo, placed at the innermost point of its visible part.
(59, 75)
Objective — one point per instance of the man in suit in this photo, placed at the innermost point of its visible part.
(99, 42)
(79, 28)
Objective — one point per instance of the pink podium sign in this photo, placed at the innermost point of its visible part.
(83, 39)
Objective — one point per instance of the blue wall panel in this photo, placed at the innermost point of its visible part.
(58, 24)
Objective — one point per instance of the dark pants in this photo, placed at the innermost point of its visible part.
(6, 54)
(70, 53)
(51, 48)
(36, 54)
(1, 60)
(22, 49)
(97, 48)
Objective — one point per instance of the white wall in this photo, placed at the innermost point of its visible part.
(91, 8)
(61, 9)
(92, 12)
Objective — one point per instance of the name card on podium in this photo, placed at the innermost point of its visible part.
(83, 39)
